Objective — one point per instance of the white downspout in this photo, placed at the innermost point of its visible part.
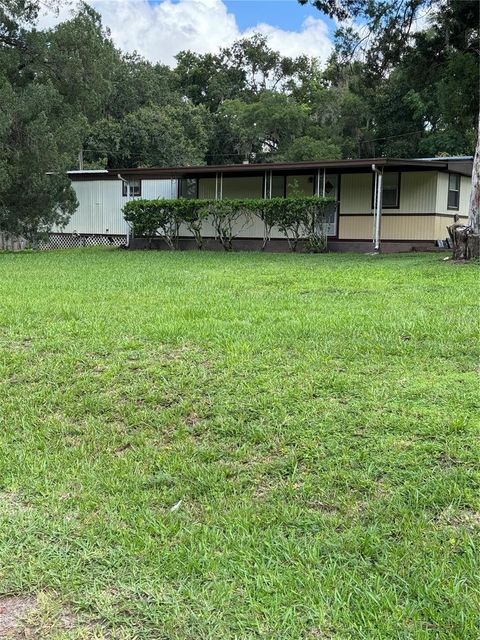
(130, 227)
(378, 203)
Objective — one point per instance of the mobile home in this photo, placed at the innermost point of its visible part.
(404, 203)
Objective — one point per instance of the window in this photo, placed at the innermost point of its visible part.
(242, 187)
(300, 186)
(134, 187)
(278, 186)
(390, 190)
(187, 188)
(453, 191)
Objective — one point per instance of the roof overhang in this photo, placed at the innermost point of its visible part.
(364, 165)
(297, 167)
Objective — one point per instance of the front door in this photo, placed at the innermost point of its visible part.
(331, 191)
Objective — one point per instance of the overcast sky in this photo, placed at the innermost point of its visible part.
(159, 29)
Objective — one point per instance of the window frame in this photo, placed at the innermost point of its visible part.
(387, 206)
(457, 191)
(180, 182)
(283, 185)
(130, 193)
(397, 200)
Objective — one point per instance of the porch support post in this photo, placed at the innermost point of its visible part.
(221, 185)
(324, 180)
(271, 180)
(378, 203)
(216, 185)
(317, 188)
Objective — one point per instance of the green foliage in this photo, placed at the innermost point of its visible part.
(138, 83)
(155, 217)
(35, 192)
(416, 93)
(265, 125)
(159, 136)
(245, 70)
(306, 148)
(297, 218)
(230, 217)
(52, 84)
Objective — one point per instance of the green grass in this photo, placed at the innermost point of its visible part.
(316, 416)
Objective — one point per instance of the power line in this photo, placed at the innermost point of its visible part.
(270, 153)
(400, 135)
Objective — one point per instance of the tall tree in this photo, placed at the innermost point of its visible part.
(53, 82)
(425, 100)
(137, 83)
(263, 127)
(474, 208)
(153, 135)
(382, 30)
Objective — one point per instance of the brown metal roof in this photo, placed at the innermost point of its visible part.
(364, 164)
(276, 166)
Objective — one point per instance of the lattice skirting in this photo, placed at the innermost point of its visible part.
(73, 241)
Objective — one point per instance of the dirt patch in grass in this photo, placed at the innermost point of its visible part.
(33, 617)
(317, 505)
(11, 501)
(262, 490)
(14, 610)
(122, 449)
(41, 617)
(444, 460)
(464, 519)
(192, 419)
(23, 344)
(316, 633)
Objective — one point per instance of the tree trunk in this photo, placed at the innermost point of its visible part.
(460, 235)
(474, 210)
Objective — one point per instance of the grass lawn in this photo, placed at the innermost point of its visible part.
(239, 446)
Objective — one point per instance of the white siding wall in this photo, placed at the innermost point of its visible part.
(101, 202)
(356, 193)
(99, 209)
(417, 192)
(152, 189)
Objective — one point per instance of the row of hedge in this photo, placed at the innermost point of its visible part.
(297, 218)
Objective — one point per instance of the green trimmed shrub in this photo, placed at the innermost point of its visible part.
(298, 218)
(152, 218)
